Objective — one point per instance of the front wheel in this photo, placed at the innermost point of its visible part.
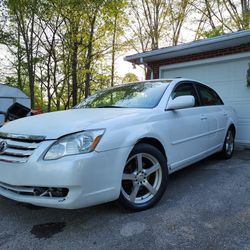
(144, 178)
(228, 147)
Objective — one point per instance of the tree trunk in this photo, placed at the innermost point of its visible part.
(113, 52)
(74, 72)
(19, 61)
(89, 58)
(245, 13)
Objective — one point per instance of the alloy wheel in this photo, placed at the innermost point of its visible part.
(229, 142)
(142, 178)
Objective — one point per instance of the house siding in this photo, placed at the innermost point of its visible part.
(199, 56)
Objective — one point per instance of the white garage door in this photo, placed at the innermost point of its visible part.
(227, 75)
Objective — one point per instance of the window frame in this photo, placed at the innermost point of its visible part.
(197, 85)
(197, 96)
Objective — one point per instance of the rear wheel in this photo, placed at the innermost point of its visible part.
(228, 146)
(144, 178)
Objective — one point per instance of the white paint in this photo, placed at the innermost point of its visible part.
(187, 135)
(227, 75)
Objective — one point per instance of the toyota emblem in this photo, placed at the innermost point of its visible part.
(3, 146)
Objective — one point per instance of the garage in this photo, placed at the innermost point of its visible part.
(221, 62)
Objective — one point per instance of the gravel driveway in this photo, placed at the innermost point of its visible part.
(206, 206)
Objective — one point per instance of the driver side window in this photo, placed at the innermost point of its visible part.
(185, 89)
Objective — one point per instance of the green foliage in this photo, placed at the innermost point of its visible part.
(130, 77)
(213, 32)
(52, 42)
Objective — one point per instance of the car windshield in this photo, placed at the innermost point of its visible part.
(132, 95)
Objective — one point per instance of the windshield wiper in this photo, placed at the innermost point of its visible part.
(109, 106)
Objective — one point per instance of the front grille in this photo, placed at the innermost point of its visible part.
(16, 148)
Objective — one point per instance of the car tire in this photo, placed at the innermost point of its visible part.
(228, 146)
(144, 178)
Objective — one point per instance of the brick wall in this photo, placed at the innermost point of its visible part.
(215, 53)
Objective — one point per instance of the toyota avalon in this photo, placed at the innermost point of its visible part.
(118, 144)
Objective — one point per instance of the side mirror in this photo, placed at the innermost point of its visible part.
(181, 102)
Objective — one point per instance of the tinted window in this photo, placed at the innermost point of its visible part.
(208, 96)
(185, 89)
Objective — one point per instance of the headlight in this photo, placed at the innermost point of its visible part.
(79, 143)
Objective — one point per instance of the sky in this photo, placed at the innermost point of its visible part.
(3, 59)
(123, 67)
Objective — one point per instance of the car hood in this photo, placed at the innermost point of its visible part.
(56, 124)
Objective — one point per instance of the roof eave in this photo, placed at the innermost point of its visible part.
(206, 45)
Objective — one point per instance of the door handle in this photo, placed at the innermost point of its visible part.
(225, 113)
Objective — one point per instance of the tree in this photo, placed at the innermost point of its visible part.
(130, 77)
(148, 19)
(221, 16)
(178, 12)
(3, 20)
(118, 20)
(23, 12)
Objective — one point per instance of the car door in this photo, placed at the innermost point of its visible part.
(187, 129)
(216, 116)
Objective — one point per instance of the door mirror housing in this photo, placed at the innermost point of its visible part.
(181, 102)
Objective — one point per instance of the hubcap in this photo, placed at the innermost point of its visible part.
(141, 178)
(229, 142)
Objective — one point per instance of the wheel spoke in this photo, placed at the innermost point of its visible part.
(128, 177)
(141, 178)
(150, 188)
(139, 161)
(134, 192)
(152, 169)
(229, 142)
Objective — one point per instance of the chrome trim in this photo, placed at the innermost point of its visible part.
(17, 188)
(18, 152)
(21, 144)
(22, 137)
(18, 148)
(13, 159)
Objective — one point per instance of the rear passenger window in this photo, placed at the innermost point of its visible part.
(208, 96)
(185, 89)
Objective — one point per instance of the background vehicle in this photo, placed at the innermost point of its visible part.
(120, 143)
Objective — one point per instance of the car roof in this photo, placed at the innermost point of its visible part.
(176, 79)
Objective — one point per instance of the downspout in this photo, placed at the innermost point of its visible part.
(147, 67)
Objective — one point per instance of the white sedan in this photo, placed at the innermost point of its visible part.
(120, 143)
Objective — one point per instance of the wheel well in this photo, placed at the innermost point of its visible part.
(233, 128)
(154, 142)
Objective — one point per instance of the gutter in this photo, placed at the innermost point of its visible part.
(139, 57)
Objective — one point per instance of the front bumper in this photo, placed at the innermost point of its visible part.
(91, 179)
